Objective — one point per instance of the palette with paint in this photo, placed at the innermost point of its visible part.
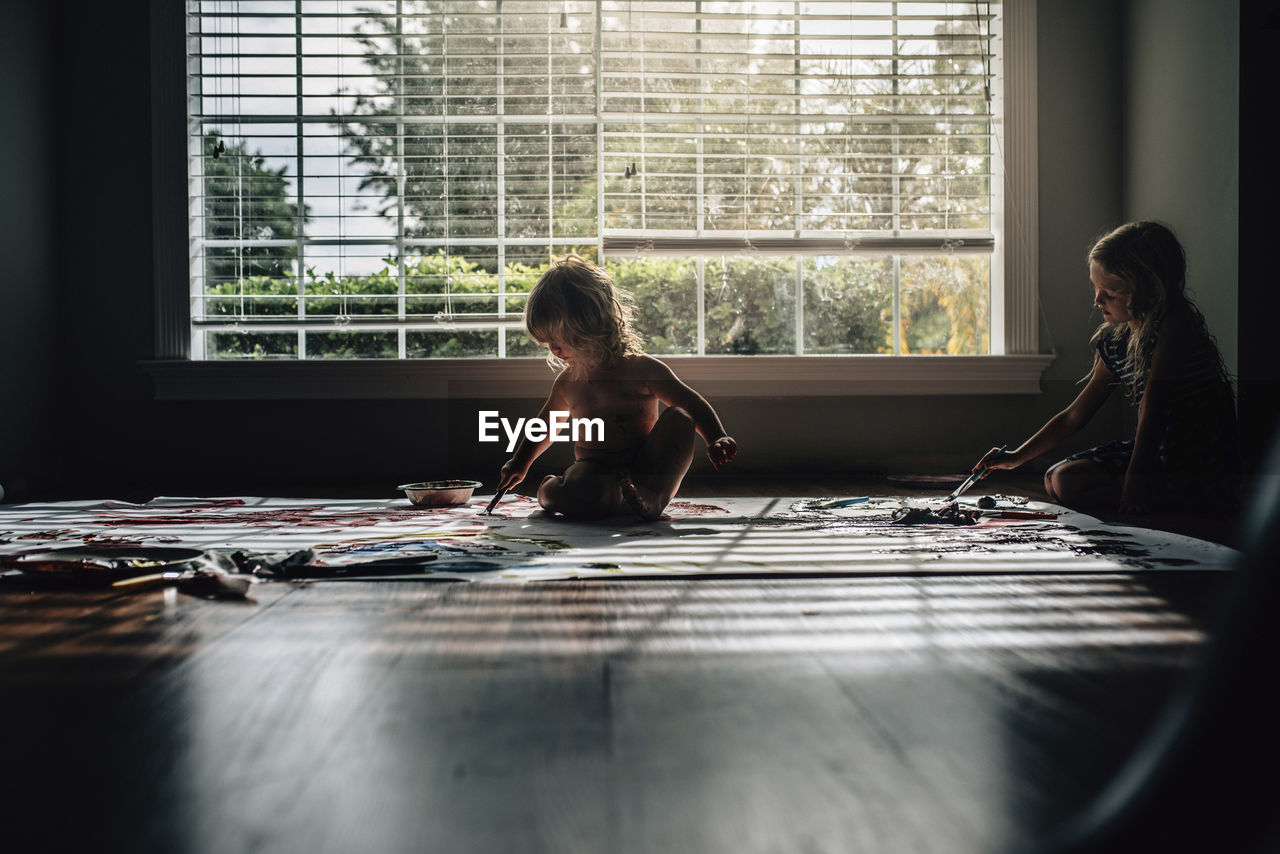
(101, 565)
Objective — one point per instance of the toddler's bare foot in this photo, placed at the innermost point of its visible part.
(644, 506)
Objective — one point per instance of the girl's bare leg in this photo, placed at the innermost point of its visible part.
(1082, 483)
(656, 475)
(586, 490)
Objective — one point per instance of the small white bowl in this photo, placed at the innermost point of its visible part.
(439, 493)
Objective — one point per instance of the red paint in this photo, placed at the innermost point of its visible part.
(304, 517)
(103, 540)
(688, 508)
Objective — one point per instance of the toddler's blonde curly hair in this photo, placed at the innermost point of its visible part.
(578, 304)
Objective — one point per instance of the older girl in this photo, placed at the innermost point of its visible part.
(1153, 344)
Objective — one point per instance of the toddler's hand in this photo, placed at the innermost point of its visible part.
(722, 451)
(511, 474)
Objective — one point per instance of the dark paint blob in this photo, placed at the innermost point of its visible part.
(949, 515)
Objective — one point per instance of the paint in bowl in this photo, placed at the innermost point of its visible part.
(439, 493)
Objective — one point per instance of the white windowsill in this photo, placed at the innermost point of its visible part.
(713, 376)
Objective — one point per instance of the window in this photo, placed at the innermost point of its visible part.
(387, 179)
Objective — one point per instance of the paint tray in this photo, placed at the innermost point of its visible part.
(102, 564)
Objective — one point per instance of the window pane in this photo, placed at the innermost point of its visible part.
(351, 345)
(945, 304)
(247, 296)
(253, 345)
(666, 294)
(750, 304)
(350, 281)
(848, 305)
(520, 344)
(450, 345)
(462, 280)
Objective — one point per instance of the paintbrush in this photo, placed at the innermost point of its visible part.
(493, 502)
(973, 478)
(198, 582)
(155, 579)
(843, 502)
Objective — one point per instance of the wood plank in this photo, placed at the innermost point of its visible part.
(834, 714)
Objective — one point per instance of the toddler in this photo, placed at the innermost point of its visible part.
(584, 320)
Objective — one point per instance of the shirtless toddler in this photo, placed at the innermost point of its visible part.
(584, 320)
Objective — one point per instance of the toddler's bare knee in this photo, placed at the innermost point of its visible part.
(550, 492)
(1051, 484)
(580, 497)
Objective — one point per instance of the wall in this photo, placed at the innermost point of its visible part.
(121, 443)
(28, 309)
(107, 433)
(1182, 143)
(1183, 148)
(1259, 369)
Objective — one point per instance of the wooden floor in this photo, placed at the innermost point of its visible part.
(957, 714)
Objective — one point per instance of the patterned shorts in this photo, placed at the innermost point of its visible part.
(1207, 490)
(1113, 456)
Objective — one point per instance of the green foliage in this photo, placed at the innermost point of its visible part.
(848, 305)
(246, 200)
(435, 284)
(666, 297)
(749, 305)
(440, 179)
(945, 304)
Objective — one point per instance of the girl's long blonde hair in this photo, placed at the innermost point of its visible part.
(1149, 260)
(577, 303)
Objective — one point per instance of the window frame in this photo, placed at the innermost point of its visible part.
(1014, 368)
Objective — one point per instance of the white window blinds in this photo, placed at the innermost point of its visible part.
(403, 169)
(797, 125)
